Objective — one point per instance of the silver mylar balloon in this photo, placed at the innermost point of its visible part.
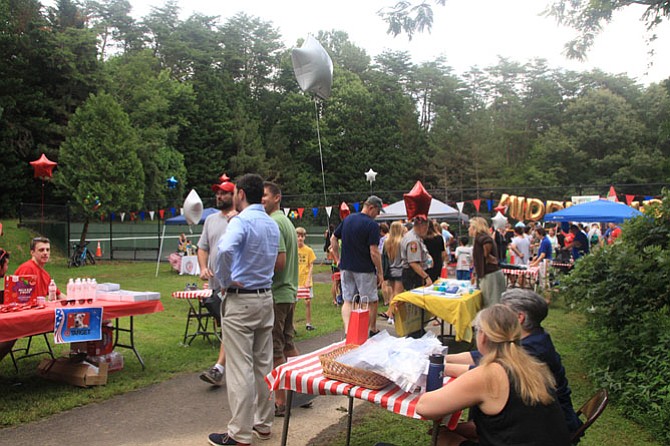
(313, 68)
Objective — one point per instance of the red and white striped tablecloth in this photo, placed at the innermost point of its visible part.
(194, 294)
(531, 271)
(304, 374)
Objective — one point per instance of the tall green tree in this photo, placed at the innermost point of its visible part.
(159, 107)
(99, 159)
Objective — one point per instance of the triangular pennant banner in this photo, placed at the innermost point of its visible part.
(151, 214)
(477, 203)
(489, 204)
(460, 206)
(123, 215)
(315, 212)
(172, 211)
(286, 211)
(112, 216)
(142, 215)
(611, 195)
(329, 209)
(300, 211)
(161, 213)
(357, 206)
(629, 199)
(181, 211)
(648, 197)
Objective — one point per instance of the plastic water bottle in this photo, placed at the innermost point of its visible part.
(52, 290)
(435, 372)
(77, 288)
(94, 288)
(70, 288)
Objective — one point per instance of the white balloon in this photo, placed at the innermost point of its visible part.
(193, 208)
(370, 175)
(313, 68)
(499, 221)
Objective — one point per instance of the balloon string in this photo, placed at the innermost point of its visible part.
(323, 174)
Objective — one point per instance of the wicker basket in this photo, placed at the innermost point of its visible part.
(352, 375)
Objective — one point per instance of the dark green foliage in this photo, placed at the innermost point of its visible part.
(623, 290)
(99, 158)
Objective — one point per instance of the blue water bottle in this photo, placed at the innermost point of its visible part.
(435, 372)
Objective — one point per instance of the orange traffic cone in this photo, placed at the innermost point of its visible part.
(98, 251)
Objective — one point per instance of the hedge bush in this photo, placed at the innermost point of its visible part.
(624, 291)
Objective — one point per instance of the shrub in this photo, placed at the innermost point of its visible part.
(624, 291)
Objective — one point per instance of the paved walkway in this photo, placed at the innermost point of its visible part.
(181, 411)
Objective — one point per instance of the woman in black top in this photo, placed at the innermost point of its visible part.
(511, 394)
(435, 246)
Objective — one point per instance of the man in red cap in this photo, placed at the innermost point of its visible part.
(215, 226)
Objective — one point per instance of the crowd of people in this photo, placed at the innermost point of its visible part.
(258, 265)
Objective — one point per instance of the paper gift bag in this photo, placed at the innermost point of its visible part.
(359, 320)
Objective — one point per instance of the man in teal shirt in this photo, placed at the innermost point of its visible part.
(284, 286)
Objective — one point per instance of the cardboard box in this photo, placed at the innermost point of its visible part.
(81, 374)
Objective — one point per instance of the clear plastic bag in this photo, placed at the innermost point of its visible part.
(402, 360)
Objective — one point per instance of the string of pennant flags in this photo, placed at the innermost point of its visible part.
(299, 212)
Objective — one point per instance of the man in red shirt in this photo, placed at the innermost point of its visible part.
(40, 253)
(614, 233)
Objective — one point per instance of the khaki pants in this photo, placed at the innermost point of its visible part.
(246, 323)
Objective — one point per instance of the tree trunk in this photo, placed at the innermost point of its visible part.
(84, 231)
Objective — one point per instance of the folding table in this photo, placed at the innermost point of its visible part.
(304, 374)
(199, 313)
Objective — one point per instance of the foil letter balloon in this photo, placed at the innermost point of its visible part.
(313, 68)
(417, 201)
(193, 208)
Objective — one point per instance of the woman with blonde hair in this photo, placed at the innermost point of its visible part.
(393, 273)
(485, 261)
(511, 394)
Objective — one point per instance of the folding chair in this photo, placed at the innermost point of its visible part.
(26, 351)
(591, 411)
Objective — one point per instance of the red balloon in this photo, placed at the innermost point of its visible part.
(417, 202)
(43, 167)
(344, 210)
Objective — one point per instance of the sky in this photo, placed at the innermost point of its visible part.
(468, 33)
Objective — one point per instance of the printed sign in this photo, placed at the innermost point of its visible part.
(77, 325)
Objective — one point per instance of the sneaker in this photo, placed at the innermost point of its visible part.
(391, 321)
(222, 439)
(309, 327)
(261, 435)
(212, 376)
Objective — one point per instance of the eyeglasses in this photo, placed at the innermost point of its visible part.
(67, 302)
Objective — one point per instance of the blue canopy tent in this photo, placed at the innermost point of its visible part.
(598, 211)
(180, 220)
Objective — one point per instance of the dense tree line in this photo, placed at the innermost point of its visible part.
(123, 104)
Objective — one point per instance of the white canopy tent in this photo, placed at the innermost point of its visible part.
(438, 210)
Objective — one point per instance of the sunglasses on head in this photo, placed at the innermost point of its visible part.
(67, 302)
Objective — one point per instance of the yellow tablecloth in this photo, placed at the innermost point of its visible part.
(459, 312)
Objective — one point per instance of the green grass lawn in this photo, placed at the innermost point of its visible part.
(26, 397)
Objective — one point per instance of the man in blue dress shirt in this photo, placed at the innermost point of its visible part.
(246, 259)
